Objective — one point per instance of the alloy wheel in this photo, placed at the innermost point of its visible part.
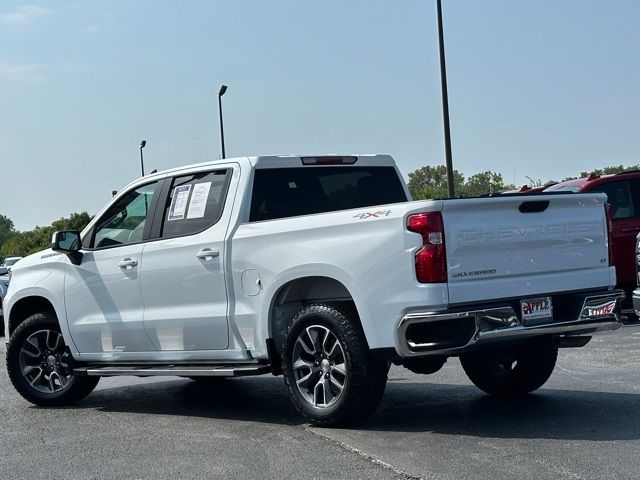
(45, 362)
(319, 366)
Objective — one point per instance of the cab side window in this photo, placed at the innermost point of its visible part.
(620, 198)
(124, 222)
(195, 203)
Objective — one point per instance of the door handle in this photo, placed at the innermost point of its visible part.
(127, 264)
(207, 254)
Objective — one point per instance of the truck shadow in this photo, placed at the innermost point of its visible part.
(407, 407)
(259, 399)
(546, 414)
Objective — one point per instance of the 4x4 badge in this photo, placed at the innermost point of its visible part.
(379, 213)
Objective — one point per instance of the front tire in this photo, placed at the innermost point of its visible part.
(39, 364)
(510, 372)
(332, 377)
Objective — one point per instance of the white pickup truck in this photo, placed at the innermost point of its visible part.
(320, 268)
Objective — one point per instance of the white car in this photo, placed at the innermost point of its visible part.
(320, 268)
(9, 262)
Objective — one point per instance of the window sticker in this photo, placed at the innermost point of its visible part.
(179, 202)
(198, 202)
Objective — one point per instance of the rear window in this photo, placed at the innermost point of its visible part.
(619, 197)
(195, 203)
(288, 192)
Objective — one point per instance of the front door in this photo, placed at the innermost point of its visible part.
(183, 274)
(103, 294)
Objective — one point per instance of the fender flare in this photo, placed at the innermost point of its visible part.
(314, 270)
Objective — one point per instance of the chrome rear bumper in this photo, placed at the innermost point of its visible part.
(455, 332)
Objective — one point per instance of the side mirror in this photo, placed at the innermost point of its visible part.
(66, 241)
(3, 271)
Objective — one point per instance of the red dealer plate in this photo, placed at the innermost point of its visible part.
(536, 309)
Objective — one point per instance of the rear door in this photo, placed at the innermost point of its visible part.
(524, 245)
(183, 276)
(624, 198)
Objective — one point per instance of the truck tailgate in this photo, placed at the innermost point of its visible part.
(512, 246)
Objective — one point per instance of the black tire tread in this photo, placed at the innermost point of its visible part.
(536, 366)
(82, 387)
(369, 374)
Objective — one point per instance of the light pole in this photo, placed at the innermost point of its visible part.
(223, 89)
(445, 105)
(143, 143)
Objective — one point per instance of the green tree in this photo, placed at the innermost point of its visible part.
(26, 243)
(483, 183)
(76, 221)
(431, 182)
(7, 229)
(610, 170)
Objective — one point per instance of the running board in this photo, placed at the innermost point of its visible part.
(235, 370)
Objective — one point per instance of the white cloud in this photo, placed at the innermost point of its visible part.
(30, 73)
(93, 28)
(24, 15)
(101, 21)
(21, 72)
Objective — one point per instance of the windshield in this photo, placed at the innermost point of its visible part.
(10, 262)
(563, 188)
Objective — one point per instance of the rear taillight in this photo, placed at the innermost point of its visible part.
(431, 262)
(609, 214)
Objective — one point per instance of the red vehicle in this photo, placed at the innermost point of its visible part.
(526, 189)
(623, 192)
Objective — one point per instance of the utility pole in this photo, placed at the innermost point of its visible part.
(445, 106)
(223, 89)
(143, 144)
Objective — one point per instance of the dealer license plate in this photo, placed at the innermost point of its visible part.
(536, 310)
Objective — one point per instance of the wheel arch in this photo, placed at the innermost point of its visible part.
(292, 295)
(26, 306)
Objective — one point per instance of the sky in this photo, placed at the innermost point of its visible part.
(544, 89)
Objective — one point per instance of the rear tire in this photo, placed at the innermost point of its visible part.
(40, 365)
(505, 372)
(332, 377)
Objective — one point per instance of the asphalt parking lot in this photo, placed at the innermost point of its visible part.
(585, 423)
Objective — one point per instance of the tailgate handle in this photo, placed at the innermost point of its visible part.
(534, 207)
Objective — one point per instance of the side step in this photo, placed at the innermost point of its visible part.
(233, 370)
